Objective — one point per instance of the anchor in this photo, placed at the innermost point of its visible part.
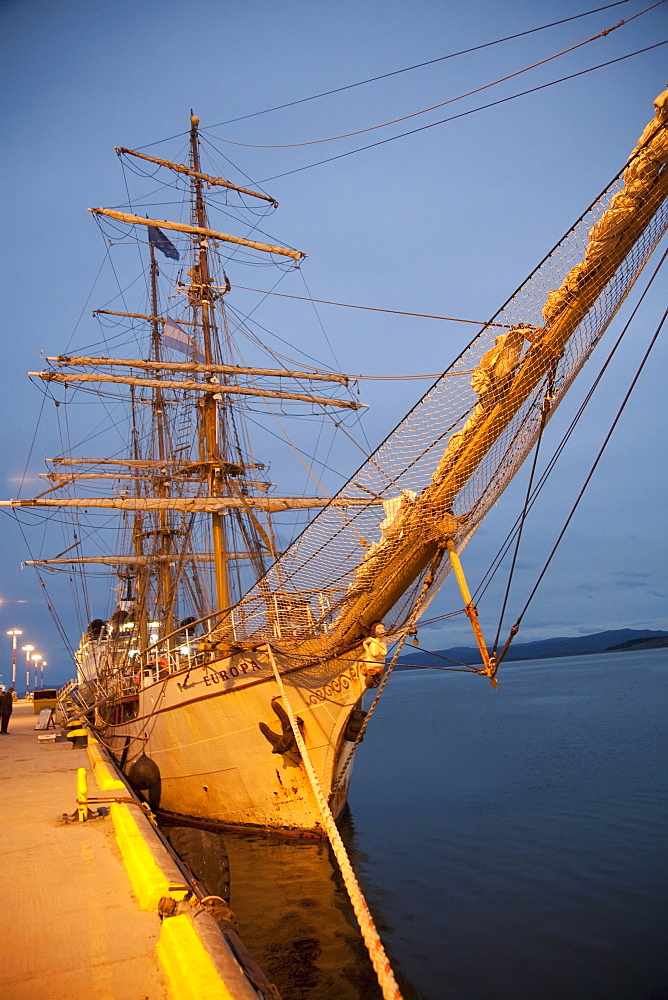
(284, 743)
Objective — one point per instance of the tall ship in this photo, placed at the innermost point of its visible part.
(229, 681)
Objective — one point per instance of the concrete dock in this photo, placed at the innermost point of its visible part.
(80, 899)
(70, 925)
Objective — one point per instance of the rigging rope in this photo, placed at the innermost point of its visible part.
(461, 668)
(352, 305)
(374, 945)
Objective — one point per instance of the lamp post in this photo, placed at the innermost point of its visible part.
(14, 632)
(41, 672)
(35, 659)
(27, 650)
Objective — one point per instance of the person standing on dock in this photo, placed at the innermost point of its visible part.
(6, 708)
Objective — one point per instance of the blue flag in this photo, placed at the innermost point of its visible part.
(161, 243)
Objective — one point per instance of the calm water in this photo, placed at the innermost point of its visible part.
(511, 844)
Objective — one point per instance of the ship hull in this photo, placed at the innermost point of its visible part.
(210, 760)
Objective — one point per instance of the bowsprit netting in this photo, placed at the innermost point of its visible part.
(439, 472)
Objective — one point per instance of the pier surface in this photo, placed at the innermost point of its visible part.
(70, 926)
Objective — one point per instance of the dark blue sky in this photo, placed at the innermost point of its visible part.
(446, 221)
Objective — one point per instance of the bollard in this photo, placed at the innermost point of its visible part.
(82, 795)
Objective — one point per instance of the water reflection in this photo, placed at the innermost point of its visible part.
(205, 854)
(294, 914)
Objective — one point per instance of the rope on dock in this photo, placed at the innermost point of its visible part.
(374, 946)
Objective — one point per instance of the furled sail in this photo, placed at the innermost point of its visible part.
(213, 387)
(152, 560)
(194, 505)
(181, 168)
(138, 220)
(205, 369)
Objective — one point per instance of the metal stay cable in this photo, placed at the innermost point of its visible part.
(544, 414)
(451, 100)
(407, 630)
(587, 480)
(407, 69)
(374, 945)
(464, 114)
(367, 718)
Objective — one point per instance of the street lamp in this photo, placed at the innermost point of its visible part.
(14, 632)
(27, 650)
(41, 671)
(35, 659)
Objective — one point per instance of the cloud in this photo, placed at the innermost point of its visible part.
(591, 587)
(629, 574)
(23, 480)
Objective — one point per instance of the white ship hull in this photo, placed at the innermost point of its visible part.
(200, 728)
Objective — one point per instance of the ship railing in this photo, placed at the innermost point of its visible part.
(171, 653)
(282, 614)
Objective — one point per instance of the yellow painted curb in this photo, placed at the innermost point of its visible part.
(104, 777)
(190, 970)
(148, 881)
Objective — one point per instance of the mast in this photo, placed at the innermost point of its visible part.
(141, 614)
(165, 589)
(209, 438)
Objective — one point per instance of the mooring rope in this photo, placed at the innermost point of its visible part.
(374, 945)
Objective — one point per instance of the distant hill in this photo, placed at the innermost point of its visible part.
(655, 643)
(580, 645)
